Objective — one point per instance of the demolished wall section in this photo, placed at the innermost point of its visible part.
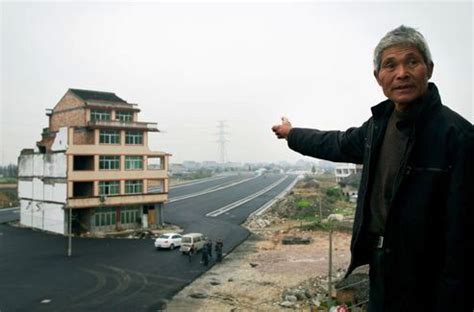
(42, 190)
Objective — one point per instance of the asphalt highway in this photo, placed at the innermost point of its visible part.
(9, 214)
(205, 185)
(126, 274)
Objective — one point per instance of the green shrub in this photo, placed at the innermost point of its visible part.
(8, 198)
(303, 203)
(335, 193)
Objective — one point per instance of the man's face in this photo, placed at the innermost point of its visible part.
(403, 74)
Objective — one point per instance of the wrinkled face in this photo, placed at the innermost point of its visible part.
(403, 74)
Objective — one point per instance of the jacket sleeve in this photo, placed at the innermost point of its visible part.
(456, 280)
(339, 146)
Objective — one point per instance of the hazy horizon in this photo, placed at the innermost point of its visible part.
(190, 65)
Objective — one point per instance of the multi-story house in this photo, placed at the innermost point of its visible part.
(94, 165)
(343, 170)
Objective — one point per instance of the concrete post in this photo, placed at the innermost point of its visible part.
(330, 265)
(69, 245)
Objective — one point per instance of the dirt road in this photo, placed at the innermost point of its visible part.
(257, 275)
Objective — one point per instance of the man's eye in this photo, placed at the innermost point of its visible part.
(413, 62)
(389, 66)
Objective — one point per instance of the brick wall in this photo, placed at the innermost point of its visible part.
(72, 118)
(83, 136)
(70, 111)
(68, 101)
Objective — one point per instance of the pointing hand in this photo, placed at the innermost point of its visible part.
(282, 130)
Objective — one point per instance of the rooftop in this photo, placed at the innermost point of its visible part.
(97, 95)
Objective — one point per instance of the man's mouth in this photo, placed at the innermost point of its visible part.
(403, 87)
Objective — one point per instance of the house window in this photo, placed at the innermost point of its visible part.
(155, 163)
(133, 162)
(133, 186)
(129, 215)
(109, 187)
(82, 189)
(134, 137)
(100, 115)
(124, 116)
(104, 216)
(109, 137)
(109, 162)
(83, 163)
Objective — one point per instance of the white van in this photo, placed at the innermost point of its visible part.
(197, 240)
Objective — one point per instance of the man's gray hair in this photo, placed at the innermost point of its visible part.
(402, 36)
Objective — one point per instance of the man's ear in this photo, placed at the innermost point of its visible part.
(430, 70)
(377, 77)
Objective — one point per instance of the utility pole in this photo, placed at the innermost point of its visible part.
(222, 141)
(330, 264)
(320, 211)
(69, 245)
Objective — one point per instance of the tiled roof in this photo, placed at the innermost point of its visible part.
(97, 95)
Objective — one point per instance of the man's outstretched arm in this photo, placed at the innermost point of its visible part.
(339, 146)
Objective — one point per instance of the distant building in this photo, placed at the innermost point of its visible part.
(344, 170)
(93, 160)
(176, 169)
(210, 164)
(231, 164)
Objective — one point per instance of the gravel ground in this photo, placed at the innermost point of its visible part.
(256, 274)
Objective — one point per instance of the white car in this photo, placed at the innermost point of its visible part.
(168, 240)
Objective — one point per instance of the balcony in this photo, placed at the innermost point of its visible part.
(117, 200)
(84, 176)
(116, 124)
(111, 106)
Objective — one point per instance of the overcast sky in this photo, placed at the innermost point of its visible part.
(190, 65)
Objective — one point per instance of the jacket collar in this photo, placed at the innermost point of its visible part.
(421, 107)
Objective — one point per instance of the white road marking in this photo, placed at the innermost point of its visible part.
(262, 209)
(242, 201)
(197, 182)
(213, 189)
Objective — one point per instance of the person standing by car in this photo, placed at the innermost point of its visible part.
(414, 218)
(209, 248)
(191, 251)
(205, 256)
(218, 248)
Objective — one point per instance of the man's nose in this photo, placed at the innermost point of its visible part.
(401, 72)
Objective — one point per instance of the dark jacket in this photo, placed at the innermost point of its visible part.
(429, 227)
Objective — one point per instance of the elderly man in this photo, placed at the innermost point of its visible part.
(414, 222)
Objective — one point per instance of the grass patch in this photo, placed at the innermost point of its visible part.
(313, 199)
(8, 180)
(303, 203)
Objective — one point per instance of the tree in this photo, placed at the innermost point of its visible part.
(9, 170)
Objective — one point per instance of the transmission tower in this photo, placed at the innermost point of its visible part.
(221, 141)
